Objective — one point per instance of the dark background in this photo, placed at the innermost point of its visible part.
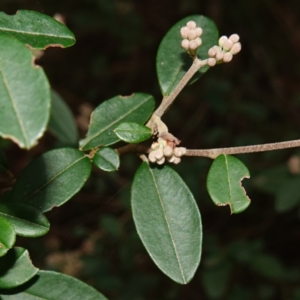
(254, 99)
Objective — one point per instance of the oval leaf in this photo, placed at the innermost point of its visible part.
(62, 123)
(49, 285)
(26, 220)
(172, 61)
(36, 29)
(16, 268)
(7, 237)
(130, 132)
(107, 159)
(167, 220)
(52, 179)
(224, 183)
(111, 113)
(24, 94)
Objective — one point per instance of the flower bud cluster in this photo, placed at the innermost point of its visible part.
(162, 151)
(225, 50)
(191, 37)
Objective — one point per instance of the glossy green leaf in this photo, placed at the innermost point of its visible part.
(24, 94)
(107, 159)
(16, 268)
(52, 179)
(224, 183)
(167, 220)
(131, 132)
(37, 30)
(49, 285)
(172, 61)
(62, 123)
(288, 194)
(26, 220)
(7, 237)
(111, 113)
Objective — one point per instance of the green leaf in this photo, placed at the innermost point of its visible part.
(49, 285)
(62, 123)
(111, 113)
(224, 183)
(7, 237)
(130, 132)
(172, 61)
(288, 194)
(16, 268)
(52, 179)
(37, 30)
(167, 220)
(107, 159)
(26, 220)
(24, 94)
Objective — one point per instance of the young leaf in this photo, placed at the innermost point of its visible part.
(26, 220)
(37, 30)
(24, 94)
(167, 220)
(52, 179)
(130, 132)
(62, 123)
(111, 113)
(224, 183)
(107, 159)
(49, 285)
(172, 61)
(7, 237)
(16, 268)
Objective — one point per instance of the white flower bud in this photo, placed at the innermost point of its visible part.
(179, 151)
(199, 41)
(161, 161)
(168, 151)
(159, 154)
(184, 32)
(191, 25)
(227, 57)
(198, 31)
(222, 40)
(236, 48)
(219, 55)
(211, 62)
(193, 45)
(155, 145)
(234, 38)
(152, 157)
(162, 142)
(171, 159)
(177, 160)
(212, 52)
(227, 45)
(192, 34)
(185, 44)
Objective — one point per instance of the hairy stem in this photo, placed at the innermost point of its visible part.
(213, 153)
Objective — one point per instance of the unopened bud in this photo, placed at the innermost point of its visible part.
(184, 32)
(155, 145)
(234, 38)
(193, 45)
(161, 161)
(227, 45)
(177, 160)
(159, 154)
(179, 151)
(227, 57)
(211, 62)
(191, 25)
(198, 31)
(199, 41)
(192, 34)
(212, 52)
(185, 44)
(152, 157)
(219, 55)
(171, 159)
(236, 48)
(168, 151)
(222, 40)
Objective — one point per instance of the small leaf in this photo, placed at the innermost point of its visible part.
(288, 194)
(107, 159)
(224, 183)
(24, 94)
(49, 285)
(7, 237)
(26, 220)
(16, 268)
(172, 61)
(52, 179)
(62, 123)
(36, 29)
(130, 132)
(111, 113)
(167, 220)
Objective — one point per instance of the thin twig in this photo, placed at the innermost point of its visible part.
(213, 153)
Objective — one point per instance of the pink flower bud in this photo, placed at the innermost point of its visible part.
(161, 161)
(177, 160)
(179, 151)
(236, 48)
(171, 159)
(234, 38)
(159, 154)
(185, 44)
(222, 40)
(227, 57)
(184, 32)
(192, 34)
(211, 62)
(193, 45)
(168, 151)
(152, 157)
(227, 45)
(155, 145)
(199, 41)
(212, 52)
(191, 24)
(219, 55)
(198, 31)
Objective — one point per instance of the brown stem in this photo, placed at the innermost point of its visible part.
(133, 148)
(213, 153)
